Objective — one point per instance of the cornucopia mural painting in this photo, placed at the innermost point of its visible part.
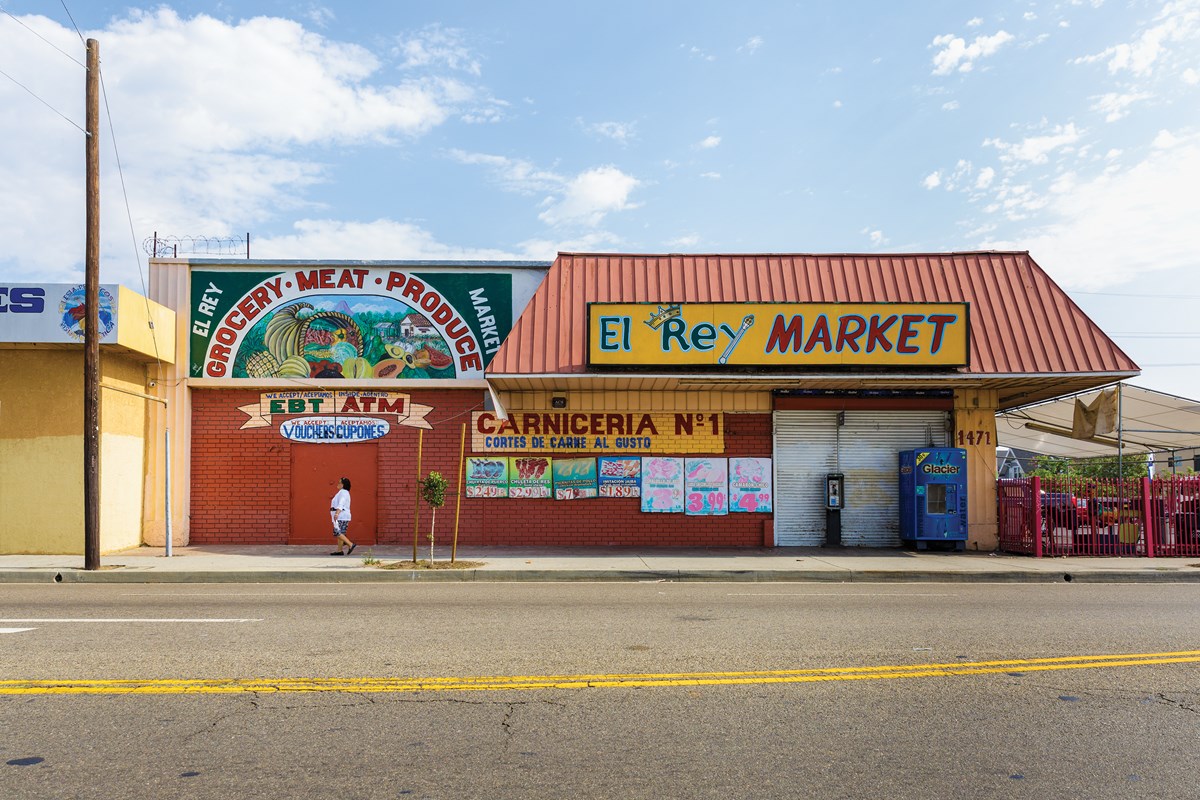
(328, 337)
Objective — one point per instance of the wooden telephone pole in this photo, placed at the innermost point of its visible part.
(91, 330)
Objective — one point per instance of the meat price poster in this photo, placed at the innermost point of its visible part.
(662, 485)
(750, 485)
(620, 476)
(529, 476)
(706, 484)
(487, 477)
(574, 478)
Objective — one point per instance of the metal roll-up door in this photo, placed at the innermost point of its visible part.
(870, 445)
(809, 445)
(804, 452)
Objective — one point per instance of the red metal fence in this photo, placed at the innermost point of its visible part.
(1100, 517)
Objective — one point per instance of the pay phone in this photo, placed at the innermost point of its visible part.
(835, 491)
(835, 501)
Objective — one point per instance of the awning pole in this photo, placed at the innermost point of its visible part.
(1120, 438)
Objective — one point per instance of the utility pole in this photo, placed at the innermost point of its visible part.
(91, 330)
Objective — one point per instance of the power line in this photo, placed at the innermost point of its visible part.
(73, 25)
(43, 38)
(1151, 296)
(43, 102)
(128, 212)
(1155, 335)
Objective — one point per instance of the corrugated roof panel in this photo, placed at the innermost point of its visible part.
(1021, 321)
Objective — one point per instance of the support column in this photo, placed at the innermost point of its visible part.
(975, 432)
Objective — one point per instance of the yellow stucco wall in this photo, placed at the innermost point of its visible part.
(975, 432)
(41, 451)
(644, 401)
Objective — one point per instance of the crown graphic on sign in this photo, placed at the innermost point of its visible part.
(663, 314)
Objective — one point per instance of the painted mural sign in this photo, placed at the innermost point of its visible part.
(662, 485)
(706, 486)
(597, 432)
(530, 476)
(619, 476)
(750, 485)
(346, 323)
(719, 335)
(574, 478)
(332, 417)
(53, 312)
(487, 477)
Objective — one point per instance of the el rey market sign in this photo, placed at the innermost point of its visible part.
(778, 334)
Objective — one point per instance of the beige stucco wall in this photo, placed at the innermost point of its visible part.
(975, 413)
(41, 451)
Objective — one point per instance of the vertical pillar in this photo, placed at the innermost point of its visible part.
(975, 432)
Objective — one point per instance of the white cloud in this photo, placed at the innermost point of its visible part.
(1178, 22)
(589, 196)
(622, 132)
(204, 150)
(932, 180)
(951, 105)
(584, 199)
(712, 176)
(320, 16)
(1122, 225)
(876, 236)
(985, 178)
(440, 47)
(591, 242)
(386, 240)
(1115, 106)
(1036, 149)
(709, 142)
(690, 240)
(974, 22)
(837, 103)
(696, 52)
(751, 46)
(1029, 16)
(1165, 140)
(1190, 76)
(513, 174)
(380, 239)
(956, 54)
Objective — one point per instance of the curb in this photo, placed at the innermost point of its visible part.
(119, 576)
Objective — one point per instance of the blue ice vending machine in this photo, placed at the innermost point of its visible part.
(933, 496)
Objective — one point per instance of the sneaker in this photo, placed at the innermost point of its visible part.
(337, 553)
(351, 550)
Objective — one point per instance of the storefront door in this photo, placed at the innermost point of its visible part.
(865, 448)
(316, 469)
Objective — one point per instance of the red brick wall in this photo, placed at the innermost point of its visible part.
(240, 486)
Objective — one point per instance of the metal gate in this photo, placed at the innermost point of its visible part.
(810, 444)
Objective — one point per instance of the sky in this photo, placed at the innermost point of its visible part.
(515, 130)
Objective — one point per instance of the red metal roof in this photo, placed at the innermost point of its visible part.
(1022, 323)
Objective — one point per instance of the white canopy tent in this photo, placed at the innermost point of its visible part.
(1147, 422)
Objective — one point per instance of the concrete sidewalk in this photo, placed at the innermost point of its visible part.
(276, 564)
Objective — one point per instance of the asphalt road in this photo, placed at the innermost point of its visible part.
(599, 690)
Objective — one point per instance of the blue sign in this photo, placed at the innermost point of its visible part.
(334, 430)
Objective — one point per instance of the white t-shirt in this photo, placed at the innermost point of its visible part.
(341, 505)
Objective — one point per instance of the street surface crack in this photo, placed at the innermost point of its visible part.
(1181, 705)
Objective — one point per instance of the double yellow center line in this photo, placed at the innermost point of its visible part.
(599, 681)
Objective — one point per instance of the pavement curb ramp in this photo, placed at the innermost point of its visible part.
(134, 576)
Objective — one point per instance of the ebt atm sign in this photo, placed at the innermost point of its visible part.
(322, 417)
(778, 334)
